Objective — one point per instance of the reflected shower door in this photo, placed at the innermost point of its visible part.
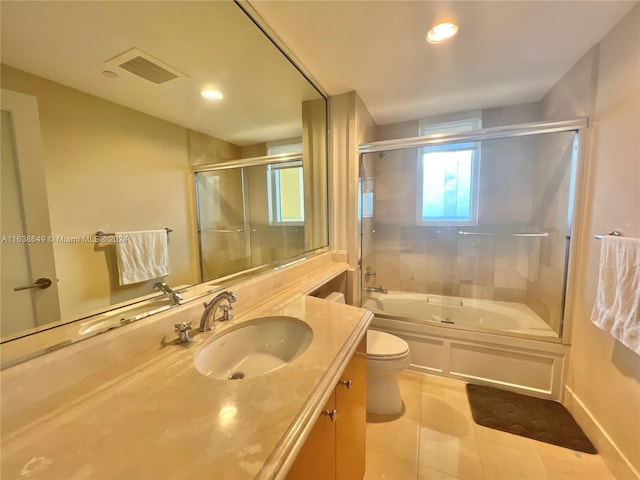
(222, 223)
(276, 202)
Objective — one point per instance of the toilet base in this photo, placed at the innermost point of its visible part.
(383, 395)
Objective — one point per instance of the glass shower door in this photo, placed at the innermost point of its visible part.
(473, 234)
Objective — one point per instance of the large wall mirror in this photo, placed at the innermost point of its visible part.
(105, 128)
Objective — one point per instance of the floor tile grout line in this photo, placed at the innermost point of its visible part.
(410, 383)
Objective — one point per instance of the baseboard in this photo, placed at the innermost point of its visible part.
(609, 451)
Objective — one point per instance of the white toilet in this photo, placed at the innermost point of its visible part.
(387, 355)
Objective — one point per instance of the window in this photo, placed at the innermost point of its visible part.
(366, 190)
(285, 188)
(448, 177)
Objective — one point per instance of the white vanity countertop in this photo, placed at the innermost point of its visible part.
(154, 416)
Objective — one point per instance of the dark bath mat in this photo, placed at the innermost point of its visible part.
(537, 418)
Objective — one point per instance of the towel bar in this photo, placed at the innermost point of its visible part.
(100, 235)
(615, 233)
(498, 234)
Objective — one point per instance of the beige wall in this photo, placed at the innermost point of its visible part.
(604, 376)
(314, 141)
(350, 124)
(571, 97)
(109, 168)
(204, 149)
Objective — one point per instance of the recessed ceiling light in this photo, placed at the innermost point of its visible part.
(211, 94)
(109, 74)
(442, 32)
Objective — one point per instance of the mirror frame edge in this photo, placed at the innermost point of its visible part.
(256, 18)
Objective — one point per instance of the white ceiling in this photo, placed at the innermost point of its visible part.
(505, 53)
(214, 43)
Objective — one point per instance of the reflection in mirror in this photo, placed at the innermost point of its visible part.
(224, 246)
(97, 141)
(250, 215)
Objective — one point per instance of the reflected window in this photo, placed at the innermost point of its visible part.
(286, 187)
(448, 177)
(367, 197)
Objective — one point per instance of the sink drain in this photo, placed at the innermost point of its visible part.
(236, 376)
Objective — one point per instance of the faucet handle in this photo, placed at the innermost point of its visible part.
(225, 311)
(183, 329)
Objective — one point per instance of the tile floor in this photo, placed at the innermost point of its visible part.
(435, 438)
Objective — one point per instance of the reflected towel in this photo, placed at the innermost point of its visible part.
(617, 306)
(142, 255)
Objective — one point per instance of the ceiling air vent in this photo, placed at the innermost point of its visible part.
(145, 66)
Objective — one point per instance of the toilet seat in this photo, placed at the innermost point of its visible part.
(381, 345)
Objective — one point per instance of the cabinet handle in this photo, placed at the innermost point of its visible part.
(332, 414)
(346, 383)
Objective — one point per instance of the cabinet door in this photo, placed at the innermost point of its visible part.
(351, 402)
(316, 460)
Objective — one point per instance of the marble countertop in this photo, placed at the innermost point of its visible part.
(154, 416)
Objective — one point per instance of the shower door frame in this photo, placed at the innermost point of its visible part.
(576, 187)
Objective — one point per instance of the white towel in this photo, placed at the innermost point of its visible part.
(142, 255)
(617, 306)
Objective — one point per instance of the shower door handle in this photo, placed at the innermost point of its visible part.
(40, 283)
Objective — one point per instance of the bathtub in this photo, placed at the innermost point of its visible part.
(466, 313)
(487, 342)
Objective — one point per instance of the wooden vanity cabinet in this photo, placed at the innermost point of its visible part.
(351, 424)
(335, 448)
(317, 460)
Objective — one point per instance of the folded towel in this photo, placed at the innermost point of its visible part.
(142, 255)
(617, 305)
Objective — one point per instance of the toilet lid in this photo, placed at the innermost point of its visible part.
(381, 344)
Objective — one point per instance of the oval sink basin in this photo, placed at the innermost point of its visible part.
(256, 347)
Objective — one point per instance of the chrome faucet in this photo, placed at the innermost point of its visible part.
(208, 316)
(377, 289)
(174, 297)
(368, 273)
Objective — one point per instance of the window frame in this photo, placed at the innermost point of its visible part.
(466, 124)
